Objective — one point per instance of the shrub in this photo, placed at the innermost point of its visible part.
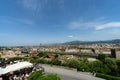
(118, 68)
(111, 64)
(49, 77)
(42, 54)
(72, 63)
(96, 66)
(101, 57)
(25, 51)
(83, 67)
(15, 58)
(34, 59)
(35, 75)
(56, 61)
(41, 60)
(107, 77)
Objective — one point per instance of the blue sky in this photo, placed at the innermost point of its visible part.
(31, 22)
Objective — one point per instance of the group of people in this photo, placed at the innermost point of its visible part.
(22, 74)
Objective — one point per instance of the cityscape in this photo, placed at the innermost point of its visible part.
(59, 40)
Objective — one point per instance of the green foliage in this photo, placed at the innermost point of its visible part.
(101, 57)
(111, 64)
(35, 75)
(37, 60)
(118, 62)
(56, 61)
(2, 60)
(72, 63)
(56, 55)
(42, 54)
(41, 60)
(25, 51)
(105, 69)
(118, 67)
(83, 67)
(49, 77)
(15, 58)
(33, 59)
(7, 48)
(107, 77)
(49, 62)
(97, 66)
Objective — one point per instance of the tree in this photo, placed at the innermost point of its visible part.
(111, 64)
(56, 61)
(118, 67)
(72, 63)
(56, 55)
(42, 54)
(101, 57)
(97, 66)
(83, 67)
(25, 51)
(118, 62)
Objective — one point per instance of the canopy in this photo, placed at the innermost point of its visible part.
(17, 66)
(1, 71)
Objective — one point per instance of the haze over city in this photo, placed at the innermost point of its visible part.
(31, 22)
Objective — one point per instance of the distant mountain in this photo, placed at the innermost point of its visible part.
(115, 41)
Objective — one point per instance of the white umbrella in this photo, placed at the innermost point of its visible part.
(17, 66)
(1, 71)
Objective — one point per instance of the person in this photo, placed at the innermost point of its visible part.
(94, 73)
(22, 77)
(17, 77)
(1, 78)
(10, 77)
(26, 75)
(14, 78)
(25, 78)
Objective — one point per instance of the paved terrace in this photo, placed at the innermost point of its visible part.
(69, 74)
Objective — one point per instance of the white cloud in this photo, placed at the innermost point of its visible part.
(107, 25)
(70, 36)
(97, 25)
(79, 25)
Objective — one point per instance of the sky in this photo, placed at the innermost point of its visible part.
(31, 22)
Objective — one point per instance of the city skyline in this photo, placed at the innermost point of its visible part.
(31, 22)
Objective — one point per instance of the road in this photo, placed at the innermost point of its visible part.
(68, 74)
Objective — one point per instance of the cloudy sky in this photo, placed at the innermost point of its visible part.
(31, 22)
